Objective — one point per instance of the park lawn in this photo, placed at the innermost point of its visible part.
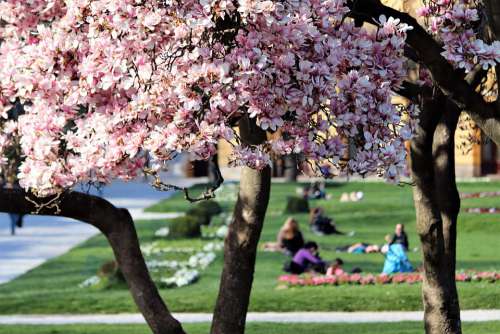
(253, 328)
(53, 287)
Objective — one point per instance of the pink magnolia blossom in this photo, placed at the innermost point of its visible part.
(453, 22)
(109, 85)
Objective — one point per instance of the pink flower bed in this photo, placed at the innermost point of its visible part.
(480, 194)
(482, 210)
(370, 279)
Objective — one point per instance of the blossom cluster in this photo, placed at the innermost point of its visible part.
(109, 86)
(455, 23)
(370, 279)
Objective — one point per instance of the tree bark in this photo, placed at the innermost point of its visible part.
(448, 201)
(437, 204)
(118, 227)
(493, 10)
(240, 247)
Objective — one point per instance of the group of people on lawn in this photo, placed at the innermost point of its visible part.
(305, 255)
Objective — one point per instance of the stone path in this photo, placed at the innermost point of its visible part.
(287, 317)
(43, 237)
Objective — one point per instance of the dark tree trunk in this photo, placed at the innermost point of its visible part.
(118, 227)
(437, 204)
(240, 247)
(448, 198)
(493, 11)
(213, 169)
(291, 170)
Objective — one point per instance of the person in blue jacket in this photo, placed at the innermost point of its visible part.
(396, 260)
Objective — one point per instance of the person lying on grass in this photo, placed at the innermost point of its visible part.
(359, 248)
(289, 239)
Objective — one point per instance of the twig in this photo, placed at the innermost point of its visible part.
(209, 193)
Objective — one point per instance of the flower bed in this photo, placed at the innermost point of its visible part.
(172, 267)
(480, 194)
(370, 279)
(481, 210)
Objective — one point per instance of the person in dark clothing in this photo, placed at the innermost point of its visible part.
(400, 237)
(321, 224)
(307, 259)
(16, 220)
(317, 191)
(289, 239)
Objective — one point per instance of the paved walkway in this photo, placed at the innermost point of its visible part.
(287, 317)
(43, 237)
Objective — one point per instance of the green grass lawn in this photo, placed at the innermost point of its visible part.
(53, 287)
(254, 328)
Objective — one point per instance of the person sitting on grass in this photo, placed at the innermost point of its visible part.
(400, 237)
(335, 268)
(307, 259)
(396, 260)
(289, 239)
(317, 191)
(322, 225)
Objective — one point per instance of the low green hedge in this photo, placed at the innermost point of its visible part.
(185, 227)
(297, 205)
(204, 211)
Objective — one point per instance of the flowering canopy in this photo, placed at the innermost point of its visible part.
(454, 22)
(109, 85)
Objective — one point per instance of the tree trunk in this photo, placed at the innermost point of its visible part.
(448, 200)
(437, 203)
(118, 227)
(493, 11)
(240, 247)
(291, 171)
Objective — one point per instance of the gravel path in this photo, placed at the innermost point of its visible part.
(287, 317)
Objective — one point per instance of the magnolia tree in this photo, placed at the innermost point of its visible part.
(110, 89)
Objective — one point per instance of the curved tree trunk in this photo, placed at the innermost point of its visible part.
(240, 247)
(118, 227)
(437, 205)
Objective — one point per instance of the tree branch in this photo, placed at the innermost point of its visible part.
(118, 227)
(449, 80)
(209, 193)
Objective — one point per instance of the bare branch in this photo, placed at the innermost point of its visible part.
(209, 193)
